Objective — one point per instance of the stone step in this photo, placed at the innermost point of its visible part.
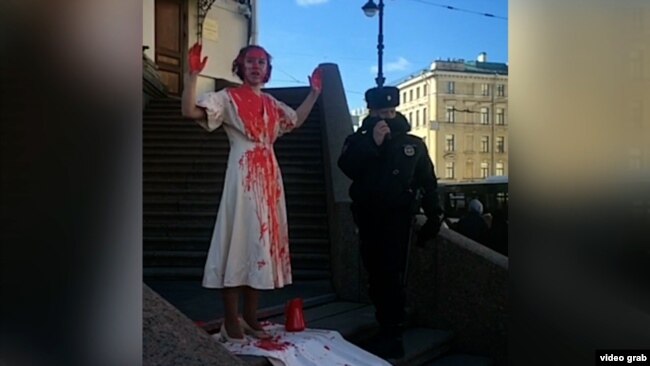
(192, 128)
(311, 193)
(214, 195)
(222, 160)
(173, 182)
(296, 231)
(193, 258)
(173, 136)
(171, 118)
(211, 147)
(300, 170)
(202, 243)
(165, 203)
(182, 273)
(422, 345)
(308, 153)
(209, 216)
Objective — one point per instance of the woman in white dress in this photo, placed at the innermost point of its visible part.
(250, 248)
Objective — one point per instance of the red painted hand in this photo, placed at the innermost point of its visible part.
(315, 80)
(196, 65)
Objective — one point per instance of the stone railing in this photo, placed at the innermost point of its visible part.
(458, 284)
(347, 271)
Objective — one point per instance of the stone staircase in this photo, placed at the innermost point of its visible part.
(184, 168)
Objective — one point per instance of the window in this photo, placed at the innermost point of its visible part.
(411, 95)
(404, 97)
(417, 118)
(485, 167)
(417, 93)
(470, 142)
(451, 115)
(501, 90)
(485, 116)
(424, 90)
(485, 89)
(411, 118)
(485, 144)
(451, 87)
(499, 169)
(501, 116)
(449, 170)
(469, 169)
(450, 143)
(424, 117)
(501, 145)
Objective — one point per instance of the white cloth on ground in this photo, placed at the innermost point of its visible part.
(311, 347)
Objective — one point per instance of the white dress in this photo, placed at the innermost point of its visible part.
(250, 242)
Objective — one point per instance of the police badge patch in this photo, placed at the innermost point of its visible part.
(409, 150)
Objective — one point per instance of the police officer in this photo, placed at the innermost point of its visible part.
(389, 169)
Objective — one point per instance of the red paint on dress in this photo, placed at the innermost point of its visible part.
(260, 116)
(261, 179)
(260, 264)
(258, 113)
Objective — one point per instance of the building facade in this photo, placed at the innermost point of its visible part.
(460, 109)
(170, 27)
(358, 115)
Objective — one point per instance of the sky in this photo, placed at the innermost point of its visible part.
(300, 34)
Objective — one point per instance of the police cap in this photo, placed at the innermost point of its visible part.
(382, 97)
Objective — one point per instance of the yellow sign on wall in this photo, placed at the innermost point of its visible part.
(210, 29)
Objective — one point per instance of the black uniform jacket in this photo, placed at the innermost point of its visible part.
(388, 176)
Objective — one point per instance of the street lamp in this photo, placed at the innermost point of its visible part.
(370, 9)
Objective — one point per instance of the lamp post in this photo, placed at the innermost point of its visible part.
(370, 9)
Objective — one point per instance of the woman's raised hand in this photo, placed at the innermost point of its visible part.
(196, 64)
(315, 80)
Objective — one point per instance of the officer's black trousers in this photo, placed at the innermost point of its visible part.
(384, 236)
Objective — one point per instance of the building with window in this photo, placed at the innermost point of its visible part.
(460, 109)
(170, 27)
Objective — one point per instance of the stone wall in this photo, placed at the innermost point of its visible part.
(170, 338)
(460, 285)
(347, 272)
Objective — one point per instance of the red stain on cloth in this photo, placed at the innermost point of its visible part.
(273, 344)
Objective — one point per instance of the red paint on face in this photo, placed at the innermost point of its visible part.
(256, 52)
(256, 67)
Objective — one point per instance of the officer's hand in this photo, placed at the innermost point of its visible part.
(380, 131)
(428, 231)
